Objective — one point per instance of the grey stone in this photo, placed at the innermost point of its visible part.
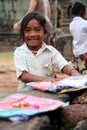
(64, 97)
(82, 125)
(35, 123)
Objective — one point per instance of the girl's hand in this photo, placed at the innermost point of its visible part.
(51, 79)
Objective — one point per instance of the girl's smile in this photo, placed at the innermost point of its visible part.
(34, 34)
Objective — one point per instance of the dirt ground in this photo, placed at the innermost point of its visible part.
(8, 81)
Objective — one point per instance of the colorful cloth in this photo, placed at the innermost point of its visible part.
(80, 63)
(70, 84)
(21, 107)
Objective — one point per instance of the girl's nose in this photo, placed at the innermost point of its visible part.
(32, 33)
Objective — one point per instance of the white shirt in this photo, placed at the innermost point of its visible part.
(78, 29)
(39, 64)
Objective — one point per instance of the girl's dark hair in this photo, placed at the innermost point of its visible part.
(29, 17)
(78, 9)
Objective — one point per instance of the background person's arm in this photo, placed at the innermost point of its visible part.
(49, 10)
(32, 7)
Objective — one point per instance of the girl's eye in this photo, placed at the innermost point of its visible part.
(27, 30)
(37, 29)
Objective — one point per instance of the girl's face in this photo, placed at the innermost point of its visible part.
(34, 35)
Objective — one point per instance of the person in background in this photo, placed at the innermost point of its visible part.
(35, 59)
(78, 29)
(43, 7)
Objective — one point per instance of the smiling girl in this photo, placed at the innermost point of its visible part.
(34, 60)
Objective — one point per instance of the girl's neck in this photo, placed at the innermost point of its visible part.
(34, 52)
(34, 49)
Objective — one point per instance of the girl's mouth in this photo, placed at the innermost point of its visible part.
(33, 39)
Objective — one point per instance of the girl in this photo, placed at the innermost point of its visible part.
(34, 60)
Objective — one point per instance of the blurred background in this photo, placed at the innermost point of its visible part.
(12, 10)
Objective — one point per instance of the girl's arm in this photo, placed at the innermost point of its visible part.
(27, 77)
(69, 70)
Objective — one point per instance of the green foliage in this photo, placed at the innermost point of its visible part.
(67, 127)
(59, 127)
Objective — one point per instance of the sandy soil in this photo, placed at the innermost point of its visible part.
(8, 81)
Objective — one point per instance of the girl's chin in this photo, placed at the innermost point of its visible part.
(32, 45)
